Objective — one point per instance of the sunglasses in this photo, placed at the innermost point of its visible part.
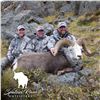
(62, 27)
(22, 29)
(40, 30)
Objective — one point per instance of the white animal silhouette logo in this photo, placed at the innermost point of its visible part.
(22, 79)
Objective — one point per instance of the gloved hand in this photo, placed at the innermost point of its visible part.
(10, 58)
(16, 53)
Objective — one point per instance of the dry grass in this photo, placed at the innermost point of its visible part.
(50, 18)
(4, 47)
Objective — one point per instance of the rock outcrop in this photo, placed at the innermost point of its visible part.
(32, 13)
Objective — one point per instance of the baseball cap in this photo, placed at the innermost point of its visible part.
(40, 28)
(20, 27)
(61, 24)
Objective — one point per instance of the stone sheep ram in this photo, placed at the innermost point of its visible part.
(45, 61)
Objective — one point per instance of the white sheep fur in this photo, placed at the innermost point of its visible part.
(75, 51)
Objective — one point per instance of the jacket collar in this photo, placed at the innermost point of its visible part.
(38, 38)
(57, 34)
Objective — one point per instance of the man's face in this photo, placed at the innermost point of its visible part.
(40, 33)
(21, 32)
(62, 29)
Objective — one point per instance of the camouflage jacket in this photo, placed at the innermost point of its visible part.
(40, 44)
(18, 46)
(56, 37)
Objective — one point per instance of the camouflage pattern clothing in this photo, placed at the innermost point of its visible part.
(40, 44)
(56, 37)
(17, 47)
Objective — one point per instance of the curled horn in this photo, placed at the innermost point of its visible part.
(61, 43)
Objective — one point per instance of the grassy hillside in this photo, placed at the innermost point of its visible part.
(86, 26)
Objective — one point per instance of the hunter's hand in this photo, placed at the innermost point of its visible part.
(53, 51)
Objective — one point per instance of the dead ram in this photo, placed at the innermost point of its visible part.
(45, 61)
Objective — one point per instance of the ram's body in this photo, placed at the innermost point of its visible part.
(45, 61)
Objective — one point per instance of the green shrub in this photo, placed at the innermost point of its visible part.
(7, 80)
